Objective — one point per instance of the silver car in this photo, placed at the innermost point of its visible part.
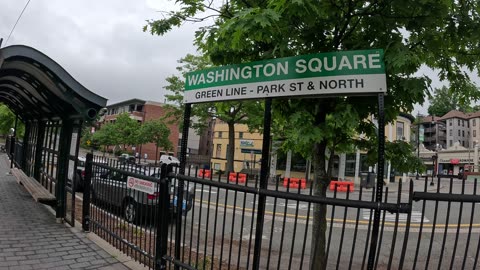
(112, 187)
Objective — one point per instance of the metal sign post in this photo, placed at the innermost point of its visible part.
(262, 198)
(379, 191)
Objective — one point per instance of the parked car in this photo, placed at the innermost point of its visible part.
(111, 187)
(126, 159)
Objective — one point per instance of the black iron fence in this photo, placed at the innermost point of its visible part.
(202, 220)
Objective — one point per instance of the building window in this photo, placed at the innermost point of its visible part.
(463, 133)
(451, 143)
(459, 133)
(400, 131)
(451, 132)
(240, 135)
(463, 123)
(219, 151)
(350, 165)
(474, 133)
(220, 134)
(458, 122)
(463, 143)
(450, 122)
(474, 122)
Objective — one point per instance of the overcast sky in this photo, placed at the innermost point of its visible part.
(101, 43)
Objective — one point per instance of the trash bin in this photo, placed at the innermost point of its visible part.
(367, 179)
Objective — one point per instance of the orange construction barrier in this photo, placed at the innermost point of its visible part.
(204, 173)
(295, 182)
(242, 177)
(342, 186)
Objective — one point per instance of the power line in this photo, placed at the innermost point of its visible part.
(18, 19)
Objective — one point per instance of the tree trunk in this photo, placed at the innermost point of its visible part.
(321, 179)
(319, 227)
(231, 146)
(156, 154)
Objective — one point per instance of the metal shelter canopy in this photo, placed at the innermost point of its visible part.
(35, 87)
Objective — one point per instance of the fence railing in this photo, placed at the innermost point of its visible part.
(205, 221)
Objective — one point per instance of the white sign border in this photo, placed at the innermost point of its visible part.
(372, 84)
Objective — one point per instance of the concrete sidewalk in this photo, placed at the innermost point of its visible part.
(30, 238)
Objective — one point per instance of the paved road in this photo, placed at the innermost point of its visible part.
(30, 238)
(438, 229)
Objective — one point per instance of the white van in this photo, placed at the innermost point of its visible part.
(165, 159)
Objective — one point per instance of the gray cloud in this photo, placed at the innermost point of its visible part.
(101, 43)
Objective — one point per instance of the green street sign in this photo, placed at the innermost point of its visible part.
(335, 73)
(421, 134)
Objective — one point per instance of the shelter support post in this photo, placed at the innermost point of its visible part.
(38, 150)
(63, 158)
(12, 142)
(26, 143)
(86, 193)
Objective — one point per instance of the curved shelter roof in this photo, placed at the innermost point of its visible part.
(35, 87)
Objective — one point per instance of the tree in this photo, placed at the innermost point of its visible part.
(446, 99)
(438, 34)
(106, 136)
(233, 112)
(7, 121)
(126, 129)
(157, 132)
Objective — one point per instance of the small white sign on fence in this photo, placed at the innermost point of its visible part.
(141, 185)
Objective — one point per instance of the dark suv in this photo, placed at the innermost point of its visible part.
(111, 187)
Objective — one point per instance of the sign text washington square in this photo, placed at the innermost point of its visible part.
(340, 73)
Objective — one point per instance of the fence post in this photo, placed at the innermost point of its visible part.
(180, 182)
(162, 215)
(86, 193)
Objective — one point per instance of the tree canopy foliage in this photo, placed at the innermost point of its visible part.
(127, 131)
(7, 121)
(155, 131)
(446, 99)
(440, 34)
(232, 112)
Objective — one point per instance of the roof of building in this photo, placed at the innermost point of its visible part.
(127, 102)
(408, 116)
(474, 115)
(455, 114)
(429, 119)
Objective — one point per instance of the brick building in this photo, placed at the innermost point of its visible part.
(142, 111)
(199, 146)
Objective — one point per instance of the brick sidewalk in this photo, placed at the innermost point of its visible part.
(30, 238)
